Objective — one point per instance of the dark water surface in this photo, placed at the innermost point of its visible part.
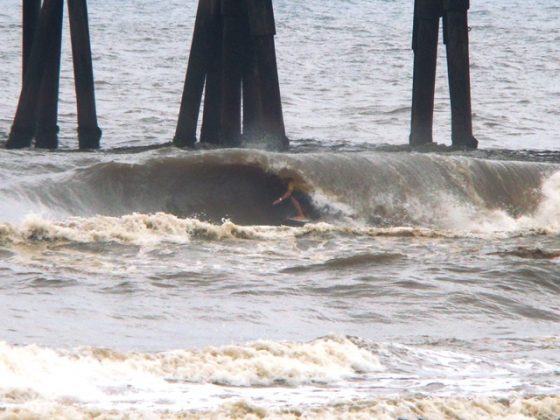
(140, 282)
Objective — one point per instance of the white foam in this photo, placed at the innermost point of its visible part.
(151, 229)
(259, 363)
(136, 228)
(516, 408)
(545, 219)
(105, 378)
(548, 212)
(317, 378)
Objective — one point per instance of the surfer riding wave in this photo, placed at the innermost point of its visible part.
(297, 192)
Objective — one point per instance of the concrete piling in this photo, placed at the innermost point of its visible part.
(31, 10)
(211, 130)
(89, 133)
(427, 14)
(252, 102)
(262, 29)
(424, 44)
(272, 124)
(231, 73)
(199, 59)
(37, 110)
(456, 39)
(46, 135)
(239, 66)
(25, 121)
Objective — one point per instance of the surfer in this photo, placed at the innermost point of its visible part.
(296, 193)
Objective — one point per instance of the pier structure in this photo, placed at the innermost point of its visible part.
(37, 111)
(233, 62)
(427, 15)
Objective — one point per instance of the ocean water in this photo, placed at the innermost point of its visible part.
(143, 281)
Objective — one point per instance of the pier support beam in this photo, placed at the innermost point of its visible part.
(231, 73)
(211, 130)
(270, 121)
(37, 110)
(456, 39)
(427, 14)
(89, 133)
(233, 56)
(31, 10)
(424, 44)
(199, 59)
(25, 120)
(46, 135)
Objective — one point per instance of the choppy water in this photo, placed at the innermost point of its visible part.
(160, 283)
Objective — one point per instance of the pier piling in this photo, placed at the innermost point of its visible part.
(199, 59)
(25, 120)
(232, 62)
(424, 44)
(456, 39)
(263, 29)
(31, 10)
(89, 133)
(211, 130)
(427, 14)
(46, 135)
(231, 73)
(251, 99)
(233, 56)
(37, 110)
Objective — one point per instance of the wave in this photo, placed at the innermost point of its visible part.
(366, 378)
(262, 363)
(519, 408)
(151, 229)
(143, 229)
(372, 189)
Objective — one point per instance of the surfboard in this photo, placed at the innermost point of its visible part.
(290, 221)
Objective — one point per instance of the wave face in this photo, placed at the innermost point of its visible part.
(379, 189)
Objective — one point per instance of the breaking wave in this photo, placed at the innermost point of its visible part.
(355, 190)
(81, 382)
(518, 408)
(143, 229)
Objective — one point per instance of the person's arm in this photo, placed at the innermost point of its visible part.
(286, 195)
